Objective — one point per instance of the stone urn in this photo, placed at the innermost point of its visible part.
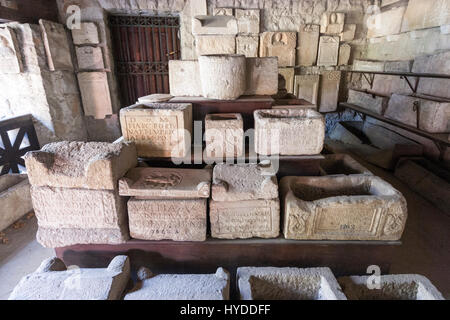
(222, 76)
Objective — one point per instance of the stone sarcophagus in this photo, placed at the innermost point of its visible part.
(158, 129)
(289, 131)
(353, 207)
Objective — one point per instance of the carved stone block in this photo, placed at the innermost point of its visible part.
(287, 77)
(345, 51)
(336, 164)
(366, 65)
(277, 131)
(437, 63)
(425, 14)
(261, 76)
(179, 220)
(223, 11)
(56, 46)
(354, 207)
(15, 198)
(349, 32)
(385, 23)
(215, 44)
(329, 90)
(10, 57)
(184, 78)
(158, 129)
(244, 219)
(279, 44)
(248, 21)
(308, 44)
(332, 22)
(86, 34)
(368, 101)
(90, 58)
(95, 94)
(328, 51)
(89, 165)
(247, 45)
(224, 135)
(307, 87)
(218, 25)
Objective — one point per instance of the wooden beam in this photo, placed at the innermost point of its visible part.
(31, 11)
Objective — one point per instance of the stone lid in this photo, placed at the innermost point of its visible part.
(300, 114)
(157, 97)
(236, 182)
(156, 107)
(166, 183)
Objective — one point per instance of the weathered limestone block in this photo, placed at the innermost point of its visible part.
(328, 51)
(79, 216)
(184, 78)
(156, 97)
(261, 76)
(279, 44)
(425, 14)
(277, 131)
(385, 23)
(329, 90)
(393, 287)
(244, 219)
(335, 164)
(237, 182)
(437, 63)
(388, 2)
(345, 51)
(10, 57)
(216, 25)
(307, 87)
(95, 94)
(349, 32)
(354, 207)
(90, 165)
(223, 12)
(287, 75)
(223, 77)
(90, 58)
(53, 281)
(87, 34)
(248, 21)
(387, 85)
(433, 115)
(190, 287)
(158, 129)
(215, 44)
(369, 101)
(15, 198)
(179, 220)
(166, 183)
(247, 45)
(332, 23)
(398, 66)
(308, 44)
(269, 283)
(427, 179)
(56, 46)
(224, 135)
(365, 65)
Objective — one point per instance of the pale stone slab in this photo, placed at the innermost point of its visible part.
(90, 58)
(217, 25)
(385, 23)
(10, 57)
(269, 283)
(156, 97)
(337, 164)
(15, 198)
(244, 219)
(166, 183)
(398, 66)
(332, 23)
(287, 75)
(261, 76)
(392, 287)
(387, 85)
(87, 34)
(95, 94)
(308, 44)
(79, 216)
(329, 90)
(279, 44)
(224, 135)
(223, 11)
(306, 87)
(56, 46)
(365, 65)
(345, 51)
(368, 101)
(190, 287)
(215, 44)
(425, 14)
(353, 207)
(248, 21)
(277, 131)
(438, 63)
(178, 220)
(247, 45)
(184, 78)
(433, 115)
(158, 129)
(388, 2)
(349, 32)
(328, 51)
(237, 182)
(223, 77)
(90, 165)
(53, 281)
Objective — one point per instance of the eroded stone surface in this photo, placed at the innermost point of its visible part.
(334, 164)
(184, 78)
(10, 57)
(166, 183)
(307, 87)
(393, 287)
(86, 34)
(215, 44)
(15, 198)
(261, 76)
(277, 130)
(95, 94)
(308, 44)
(425, 14)
(288, 76)
(354, 207)
(328, 51)
(344, 54)
(248, 21)
(223, 12)
(53, 281)
(329, 90)
(369, 101)
(236, 182)
(156, 97)
(214, 286)
(438, 64)
(349, 32)
(179, 220)
(90, 58)
(365, 65)
(217, 25)
(247, 45)
(332, 23)
(385, 23)
(56, 46)
(269, 283)
(398, 66)
(224, 135)
(158, 129)
(279, 44)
